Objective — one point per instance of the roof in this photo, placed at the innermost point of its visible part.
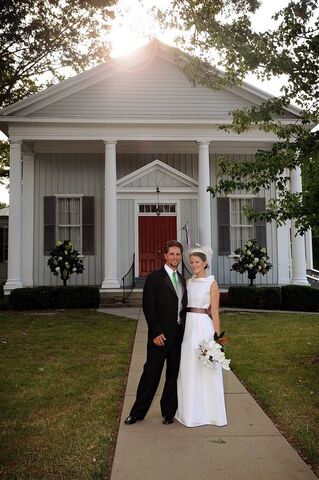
(109, 69)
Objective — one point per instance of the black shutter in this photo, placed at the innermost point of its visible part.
(259, 205)
(88, 226)
(223, 219)
(49, 221)
(1, 244)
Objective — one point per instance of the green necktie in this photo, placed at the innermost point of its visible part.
(174, 280)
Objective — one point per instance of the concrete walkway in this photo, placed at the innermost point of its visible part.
(249, 448)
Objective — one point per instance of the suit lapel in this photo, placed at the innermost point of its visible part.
(167, 280)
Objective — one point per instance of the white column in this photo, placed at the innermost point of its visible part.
(283, 253)
(110, 218)
(15, 228)
(298, 254)
(204, 200)
(27, 219)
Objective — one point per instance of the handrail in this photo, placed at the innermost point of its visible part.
(128, 281)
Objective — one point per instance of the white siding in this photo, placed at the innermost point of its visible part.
(157, 89)
(222, 264)
(83, 173)
(183, 162)
(68, 174)
(189, 214)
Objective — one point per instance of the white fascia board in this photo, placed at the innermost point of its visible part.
(261, 94)
(128, 121)
(51, 91)
(72, 85)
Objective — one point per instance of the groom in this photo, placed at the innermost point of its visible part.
(164, 306)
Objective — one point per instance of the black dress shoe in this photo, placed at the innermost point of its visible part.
(130, 420)
(168, 420)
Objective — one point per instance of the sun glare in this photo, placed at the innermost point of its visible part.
(134, 26)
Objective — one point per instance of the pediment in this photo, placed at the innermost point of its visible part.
(146, 84)
(156, 174)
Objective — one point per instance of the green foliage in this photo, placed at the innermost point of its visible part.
(4, 160)
(275, 355)
(289, 49)
(288, 297)
(252, 259)
(41, 42)
(4, 302)
(41, 298)
(63, 377)
(300, 297)
(267, 298)
(64, 260)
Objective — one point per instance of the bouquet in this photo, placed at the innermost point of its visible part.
(252, 259)
(212, 352)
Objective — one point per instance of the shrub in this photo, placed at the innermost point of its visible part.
(39, 298)
(224, 299)
(243, 296)
(4, 302)
(268, 298)
(300, 298)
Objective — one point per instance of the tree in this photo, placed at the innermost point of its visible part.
(223, 29)
(4, 160)
(42, 41)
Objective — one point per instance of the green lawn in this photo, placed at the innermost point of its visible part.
(276, 356)
(62, 378)
(63, 375)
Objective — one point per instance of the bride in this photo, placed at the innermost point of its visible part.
(200, 389)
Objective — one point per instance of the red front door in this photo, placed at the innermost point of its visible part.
(153, 233)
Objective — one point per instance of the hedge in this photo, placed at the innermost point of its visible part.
(300, 298)
(289, 297)
(39, 298)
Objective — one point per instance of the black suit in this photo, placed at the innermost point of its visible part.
(160, 306)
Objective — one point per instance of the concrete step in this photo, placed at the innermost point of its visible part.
(114, 298)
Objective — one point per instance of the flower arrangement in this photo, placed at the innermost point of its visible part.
(64, 260)
(252, 259)
(212, 353)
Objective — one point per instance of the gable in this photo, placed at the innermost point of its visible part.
(158, 89)
(146, 86)
(156, 174)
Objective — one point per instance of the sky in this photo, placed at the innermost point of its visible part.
(134, 26)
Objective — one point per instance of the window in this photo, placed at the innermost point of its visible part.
(241, 229)
(69, 218)
(234, 229)
(154, 208)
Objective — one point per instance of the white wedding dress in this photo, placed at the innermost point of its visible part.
(200, 389)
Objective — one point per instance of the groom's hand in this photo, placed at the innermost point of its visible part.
(159, 340)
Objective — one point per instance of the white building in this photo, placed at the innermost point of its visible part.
(95, 158)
